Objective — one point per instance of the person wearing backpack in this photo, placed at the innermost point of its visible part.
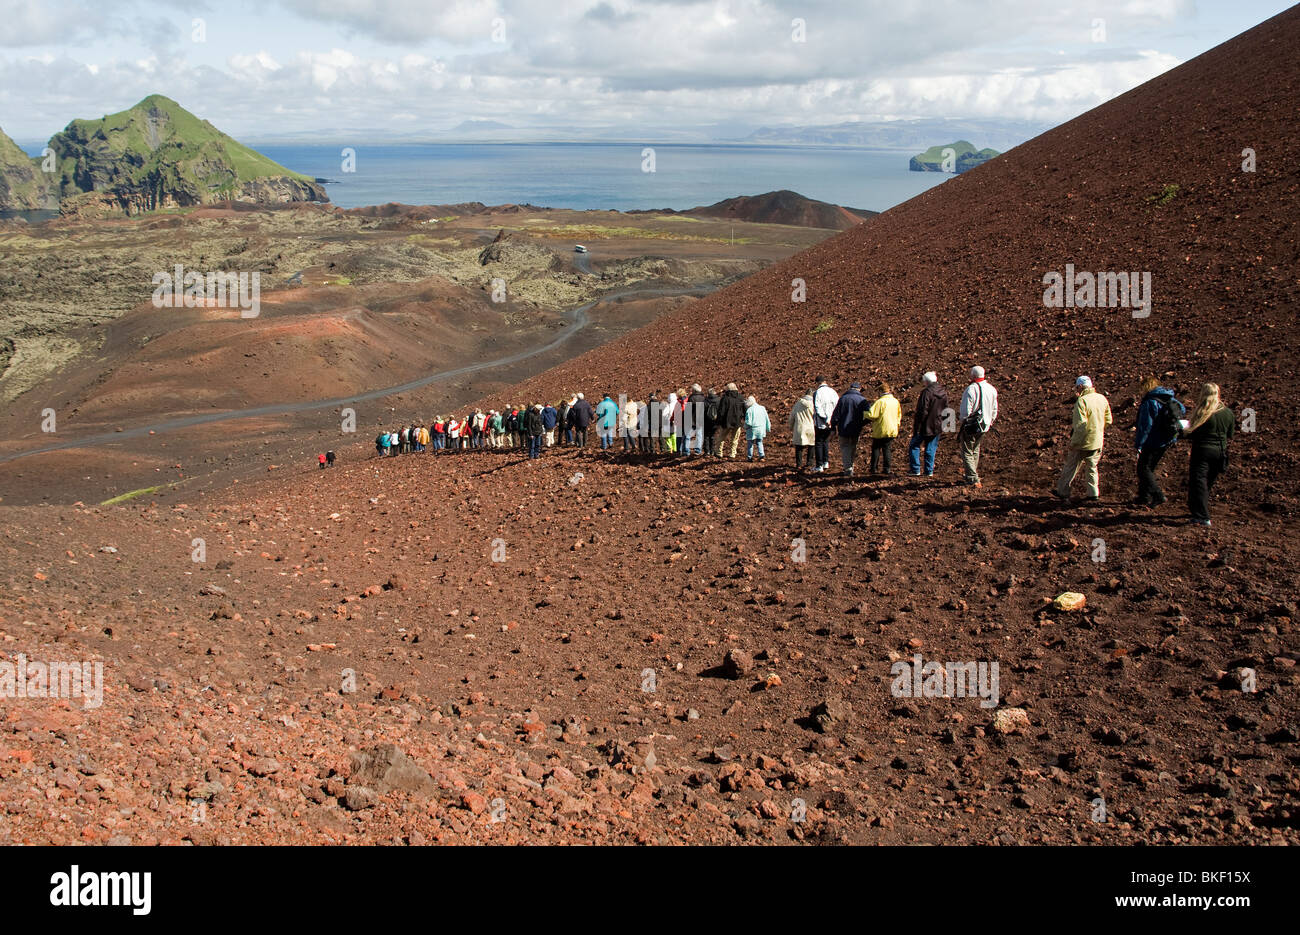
(847, 421)
(731, 421)
(329, 459)
(979, 408)
(381, 444)
(927, 424)
(1158, 425)
(712, 402)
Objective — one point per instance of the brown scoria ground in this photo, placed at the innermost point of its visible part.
(516, 688)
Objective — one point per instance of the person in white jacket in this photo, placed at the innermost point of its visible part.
(979, 410)
(631, 414)
(824, 400)
(668, 423)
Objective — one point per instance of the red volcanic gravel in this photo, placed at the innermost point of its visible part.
(651, 661)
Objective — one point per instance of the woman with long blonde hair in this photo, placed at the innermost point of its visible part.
(1209, 429)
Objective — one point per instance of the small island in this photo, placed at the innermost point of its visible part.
(965, 157)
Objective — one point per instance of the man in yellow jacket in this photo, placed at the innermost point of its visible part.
(1089, 421)
(884, 415)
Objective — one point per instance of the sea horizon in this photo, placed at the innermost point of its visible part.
(598, 175)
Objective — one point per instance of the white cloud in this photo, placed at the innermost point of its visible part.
(583, 63)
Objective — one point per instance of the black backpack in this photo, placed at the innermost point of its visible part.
(711, 404)
(1166, 420)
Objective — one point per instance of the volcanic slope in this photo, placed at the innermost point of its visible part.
(597, 647)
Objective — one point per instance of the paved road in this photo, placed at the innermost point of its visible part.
(578, 319)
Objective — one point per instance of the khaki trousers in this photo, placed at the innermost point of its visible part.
(1076, 460)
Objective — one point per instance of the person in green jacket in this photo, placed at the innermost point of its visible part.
(1209, 429)
(1089, 420)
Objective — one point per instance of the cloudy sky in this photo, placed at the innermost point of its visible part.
(277, 68)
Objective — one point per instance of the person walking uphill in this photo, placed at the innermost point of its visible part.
(884, 415)
(1158, 425)
(757, 425)
(846, 420)
(927, 423)
(1089, 420)
(824, 400)
(580, 416)
(731, 421)
(803, 432)
(1209, 429)
(979, 409)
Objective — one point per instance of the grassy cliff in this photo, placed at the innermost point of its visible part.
(158, 155)
(967, 157)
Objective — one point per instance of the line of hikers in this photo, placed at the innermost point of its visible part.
(1161, 421)
(695, 422)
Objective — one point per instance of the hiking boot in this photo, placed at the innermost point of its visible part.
(848, 472)
(1058, 495)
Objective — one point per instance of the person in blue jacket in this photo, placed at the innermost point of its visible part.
(606, 421)
(846, 420)
(1158, 426)
(550, 418)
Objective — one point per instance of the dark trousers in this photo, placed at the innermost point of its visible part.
(1203, 470)
(822, 449)
(534, 446)
(880, 452)
(1148, 485)
(802, 454)
(580, 437)
(710, 442)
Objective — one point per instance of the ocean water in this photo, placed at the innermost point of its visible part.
(604, 175)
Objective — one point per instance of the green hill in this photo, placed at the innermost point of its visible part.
(158, 155)
(967, 158)
(23, 187)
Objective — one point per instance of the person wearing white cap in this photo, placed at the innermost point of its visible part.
(1089, 420)
(927, 423)
(979, 408)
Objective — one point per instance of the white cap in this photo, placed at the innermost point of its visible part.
(930, 377)
(580, 396)
(1083, 381)
(976, 372)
